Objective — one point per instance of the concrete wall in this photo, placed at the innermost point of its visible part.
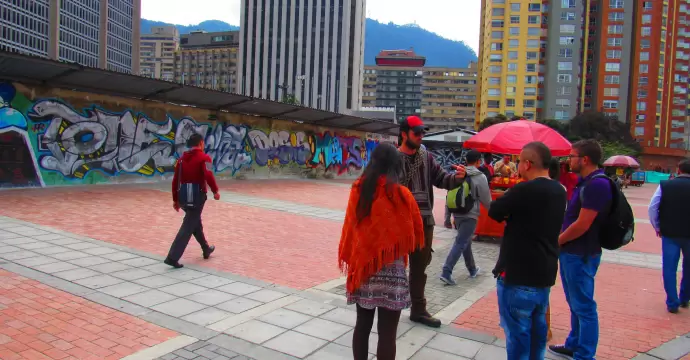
(54, 137)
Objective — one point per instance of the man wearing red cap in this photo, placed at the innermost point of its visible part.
(420, 173)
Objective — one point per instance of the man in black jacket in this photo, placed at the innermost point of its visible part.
(668, 214)
(528, 260)
(420, 173)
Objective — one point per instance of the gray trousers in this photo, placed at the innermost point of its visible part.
(191, 225)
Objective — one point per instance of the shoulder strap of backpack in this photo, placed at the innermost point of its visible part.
(612, 185)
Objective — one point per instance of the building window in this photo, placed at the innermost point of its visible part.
(497, 12)
(644, 56)
(610, 104)
(531, 67)
(533, 19)
(512, 67)
(513, 43)
(510, 91)
(643, 80)
(641, 94)
(494, 92)
(510, 102)
(567, 15)
(612, 79)
(530, 91)
(613, 54)
(562, 115)
(495, 69)
(647, 5)
(644, 68)
(493, 104)
(530, 79)
(496, 57)
(615, 41)
(563, 90)
(563, 102)
(497, 34)
(615, 29)
(494, 81)
(641, 106)
(532, 55)
(567, 4)
(514, 6)
(511, 79)
(611, 91)
(532, 44)
(515, 19)
(616, 4)
(497, 23)
(640, 117)
(646, 31)
(616, 16)
(512, 55)
(613, 67)
(496, 46)
(514, 31)
(533, 31)
(646, 19)
(567, 29)
(534, 7)
(566, 40)
(565, 53)
(644, 43)
(528, 104)
(565, 65)
(565, 78)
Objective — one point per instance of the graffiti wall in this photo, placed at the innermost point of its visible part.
(52, 137)
(447, 154)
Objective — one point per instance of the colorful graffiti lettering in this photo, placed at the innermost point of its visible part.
(446, 155)
(70, 144)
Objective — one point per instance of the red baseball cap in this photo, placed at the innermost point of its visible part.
(413, 123)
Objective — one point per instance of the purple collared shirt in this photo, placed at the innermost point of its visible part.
(597, 197)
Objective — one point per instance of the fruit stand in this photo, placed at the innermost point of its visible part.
(509, 138)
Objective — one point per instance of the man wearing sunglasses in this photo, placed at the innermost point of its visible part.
(420, 173)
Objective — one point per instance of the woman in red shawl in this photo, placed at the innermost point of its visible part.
(382, 226)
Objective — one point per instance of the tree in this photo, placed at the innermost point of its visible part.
(290, 99)
(563, 127)
(500, 118)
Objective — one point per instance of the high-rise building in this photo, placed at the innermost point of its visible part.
(157, 53)
(95, 33)
(208, 60)
(661, 68)
(443, 97)
(313, 50)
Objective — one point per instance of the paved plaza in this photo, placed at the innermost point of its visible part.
(81, 277)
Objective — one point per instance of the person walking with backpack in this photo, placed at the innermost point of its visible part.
(193, 172)
(528, 259)
(668, 215)
(580, 252)
(463, 204)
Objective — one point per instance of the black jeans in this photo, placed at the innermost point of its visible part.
(191, 225)
(387, 326)
(419, 261)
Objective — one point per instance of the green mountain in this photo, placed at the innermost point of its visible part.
(438, 50)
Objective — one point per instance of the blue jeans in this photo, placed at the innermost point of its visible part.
(577, 276)
(462, 246)
(522, 312)
(670, 255)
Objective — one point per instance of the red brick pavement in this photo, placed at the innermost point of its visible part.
(301, 192)
(39, 322)
(631, 307)
(274, 246)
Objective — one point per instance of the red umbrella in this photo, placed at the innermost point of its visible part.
(621, 161)
(509, 138)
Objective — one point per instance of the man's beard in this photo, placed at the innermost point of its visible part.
(411, 144)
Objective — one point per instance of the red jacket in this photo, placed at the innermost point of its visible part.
(197, 168)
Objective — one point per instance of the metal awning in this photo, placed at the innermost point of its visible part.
(35, 70)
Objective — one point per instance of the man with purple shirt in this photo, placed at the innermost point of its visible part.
(580, 252)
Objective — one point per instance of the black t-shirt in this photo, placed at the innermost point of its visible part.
(533, 211)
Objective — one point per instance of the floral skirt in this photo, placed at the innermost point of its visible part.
(389, 288)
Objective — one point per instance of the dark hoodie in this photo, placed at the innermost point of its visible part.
(197, 168)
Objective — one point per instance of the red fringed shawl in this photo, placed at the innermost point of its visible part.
(393, 230)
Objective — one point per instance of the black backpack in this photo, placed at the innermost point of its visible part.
(461, 200)
(618, 229)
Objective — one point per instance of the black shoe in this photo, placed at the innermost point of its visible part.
(673, 310)
(562, 351)
(684, 305)
(209, 251)
(426, 319)
(174, 264)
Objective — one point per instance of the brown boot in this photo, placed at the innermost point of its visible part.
(425, 318)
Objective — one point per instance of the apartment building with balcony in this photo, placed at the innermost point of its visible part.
(208, 60)
(443, 97)
(157, 52)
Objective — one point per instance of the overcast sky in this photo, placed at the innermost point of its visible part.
(453, 19)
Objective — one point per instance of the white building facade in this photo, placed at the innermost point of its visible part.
(310, 49)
